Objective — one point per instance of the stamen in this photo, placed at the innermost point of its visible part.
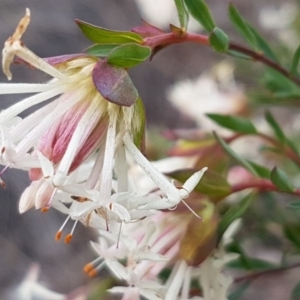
(59, 232)
(91, 268)
(69, 236)
(191, 210)
(45, 209)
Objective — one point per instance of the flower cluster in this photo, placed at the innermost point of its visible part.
(76, 149)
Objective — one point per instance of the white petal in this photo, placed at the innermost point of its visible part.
(78, 210)
(46, 165)
(22, 88)
(191, 182)
(19, 107)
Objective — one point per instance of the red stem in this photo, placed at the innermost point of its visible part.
(261, 185)
(174, 38)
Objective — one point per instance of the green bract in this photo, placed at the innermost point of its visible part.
(128, 55)
(105, 36)
(101, 50)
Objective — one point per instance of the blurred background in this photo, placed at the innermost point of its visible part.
(177, 86)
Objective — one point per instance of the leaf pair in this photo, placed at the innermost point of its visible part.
(120, 48)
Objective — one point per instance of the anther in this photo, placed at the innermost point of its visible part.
(93, 268)
(59, 232)
(69, 236)
(45, 209)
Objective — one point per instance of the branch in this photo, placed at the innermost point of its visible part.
(159, 41)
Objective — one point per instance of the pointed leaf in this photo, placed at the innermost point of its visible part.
(114, 84)
(101, 50)
(291, 232)
(276, 128)
(294, 205)
(235, 156)
(295, 61)
(280, 179)
(237, 124)
(260, 170)
(183, 15)
(128, 55)
(241, 25)
(200, 11)
(262, 44)
(234, 212)
(219, 40)
(105, 36)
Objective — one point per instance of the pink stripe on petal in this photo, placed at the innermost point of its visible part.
(55, 60)
(91, 144)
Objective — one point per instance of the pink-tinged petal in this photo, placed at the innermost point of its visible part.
(91, 144)
(114, 84)
(43, 195)
(55, 60)
(66, 129)
(28, 197)
(35, 174)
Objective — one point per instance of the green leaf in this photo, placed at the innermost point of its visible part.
(295, 295)
(101, 35)
(101, 50)
(237, 124)
(262, 44)
(234, 212)
(219, 40)
(261, 171)
(200, 11)
(294, 205)
(183, 15)
(279, 84)
(276, 128)
(291, 232)
(128, 55)
(242, 26)
(252, 264)
(235, 156)
(239, 292)
(280, 179)
(295, 61)
(211, 184)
